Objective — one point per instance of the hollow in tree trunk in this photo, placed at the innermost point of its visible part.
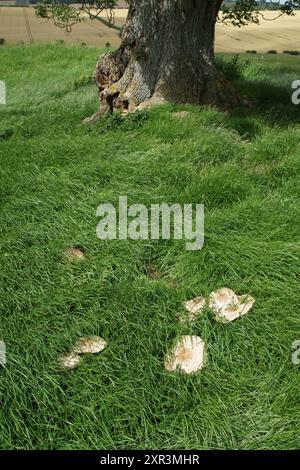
(166, 54)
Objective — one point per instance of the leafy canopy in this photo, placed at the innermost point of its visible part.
(238, 13)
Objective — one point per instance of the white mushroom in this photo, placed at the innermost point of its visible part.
(75, 254)
(246, 303)
(228, 306)
(69, 361)
(194, 307)
(90, 345)
(187, 355)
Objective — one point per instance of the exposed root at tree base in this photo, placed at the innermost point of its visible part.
(92, 119)
(124, 84)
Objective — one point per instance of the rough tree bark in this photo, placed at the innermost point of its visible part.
(166, 54)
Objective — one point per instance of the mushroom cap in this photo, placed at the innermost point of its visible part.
(246, 303)
(195, 305)
(75, 254)
(90, 345)
(228, 306)
(187, 355)
(69, 361)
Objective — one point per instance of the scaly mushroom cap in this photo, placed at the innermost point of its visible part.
(187, 355)
(75, 254)
(69, 361)
(90, 345)
(228, 306)
(195, 305)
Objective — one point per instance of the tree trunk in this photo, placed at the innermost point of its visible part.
(166, 54)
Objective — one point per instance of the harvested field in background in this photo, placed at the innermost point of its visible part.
(21, 24)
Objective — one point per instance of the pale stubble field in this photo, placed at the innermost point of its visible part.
(20, 24)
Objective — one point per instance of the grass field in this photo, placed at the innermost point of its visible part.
(55, 172)
(21, 24)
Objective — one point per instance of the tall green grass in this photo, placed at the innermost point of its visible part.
(55, 172)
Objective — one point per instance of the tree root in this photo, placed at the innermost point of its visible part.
(122, 85)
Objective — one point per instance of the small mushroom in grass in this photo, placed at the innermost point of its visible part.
(194, 307)
(222, 298)
(90, 345)
(75, 254)
(246, 303)
(188, 355)
(228, 306)
(69, 361)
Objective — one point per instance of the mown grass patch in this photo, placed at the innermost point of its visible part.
(55, 172)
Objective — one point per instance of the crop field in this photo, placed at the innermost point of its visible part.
(20, 24)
